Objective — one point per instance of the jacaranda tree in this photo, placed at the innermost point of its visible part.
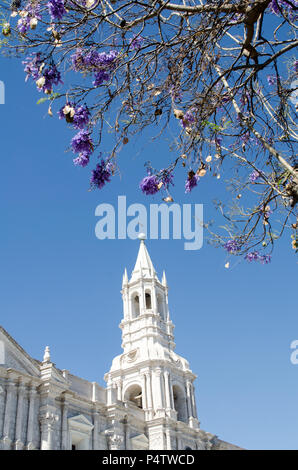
(221, 74)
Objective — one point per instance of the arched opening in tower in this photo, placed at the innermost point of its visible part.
(136, 306)
(134, 395)
(180, 403)
(148, 300)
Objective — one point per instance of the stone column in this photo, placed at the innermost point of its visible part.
(167, 389)
(19, 419)
(157, 390)
(95, 431)
(115, 440)
(193, 401)
(154, 299)
(7, 415)
(64, 426)
(142, 299)
(119, 390)
(144, 394)
(47, 424)
(188, 403)
(30, 423)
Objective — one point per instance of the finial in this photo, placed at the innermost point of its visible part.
(142, 236)
(125, 278)
(46, 356)
(164, 279)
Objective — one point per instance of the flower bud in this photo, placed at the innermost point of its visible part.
(6, 29)
(40, 82)
(33, 23)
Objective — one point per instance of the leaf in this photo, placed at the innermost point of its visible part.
(42, 100)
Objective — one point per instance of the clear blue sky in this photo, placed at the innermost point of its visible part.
(60, 285)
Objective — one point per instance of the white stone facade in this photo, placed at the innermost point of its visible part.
(149, 402)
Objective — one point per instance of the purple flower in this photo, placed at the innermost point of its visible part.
(136, 43)
(191, 181)
(47, 78)
(188, 118)
(101, 63)
(265, 259)
(254, 176)
(77, 60)
(271, 79)
(101, 175)
(56, 9)
(295, 65)
(81, 117)
(100, 77)
(232, 246)
(278, 6)
(149, 184)
(166, 178)
(82, 143)
(32, 66)
(175, 93)
(33, 11)
(252, 256)
(255, 256)
(82, 159)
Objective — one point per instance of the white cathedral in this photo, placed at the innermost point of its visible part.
(149, 402)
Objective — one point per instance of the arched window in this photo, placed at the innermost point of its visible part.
(148, 300)
(160, 306)
(134, 395)
(179, 403)
(135, 306)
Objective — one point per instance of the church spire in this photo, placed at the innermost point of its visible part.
(144, 266)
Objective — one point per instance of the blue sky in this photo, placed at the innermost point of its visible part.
(60, 285)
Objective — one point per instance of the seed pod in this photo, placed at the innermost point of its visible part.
(178, 113)
(158, 112)
(125, 140)
(201, 172)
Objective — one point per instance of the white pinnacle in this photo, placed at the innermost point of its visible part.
(47, 356)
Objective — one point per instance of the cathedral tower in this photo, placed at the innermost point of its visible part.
(149, 374)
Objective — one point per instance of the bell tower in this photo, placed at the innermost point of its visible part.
(149, 374)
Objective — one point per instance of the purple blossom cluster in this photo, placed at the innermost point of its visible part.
(188, 118)
(254, 176)
(101, 63)
(152, 183)
(44, 77)
(191, 182)
(136, 43)
(271, 79)
(77, 115)
(279, 6)
(52, 77)
(56, 9)
(82, 160)
(149, 184)
(256, 256)
(82, 143)
(232, 246)
(32, 66)
(101, 175)
(31, 11)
